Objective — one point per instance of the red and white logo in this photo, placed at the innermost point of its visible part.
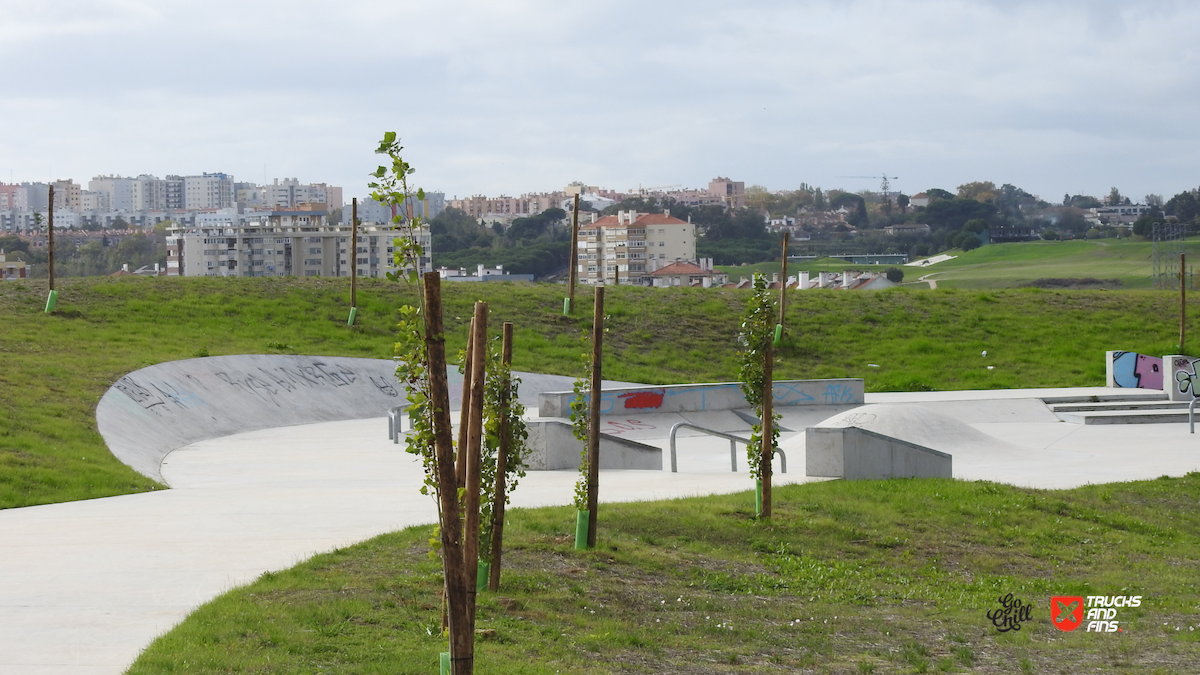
(1066, 611)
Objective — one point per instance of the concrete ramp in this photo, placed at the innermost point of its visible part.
(921, 434)
(921, 425)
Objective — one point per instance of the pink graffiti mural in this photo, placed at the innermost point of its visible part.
(643, 399)
(1149, 372)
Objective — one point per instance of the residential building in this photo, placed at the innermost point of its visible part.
(208, 191)
(284, 243)
(733, 193)
(173, 194)
(12, 270)
(95, 201)
(373, 212)
(12, 197)
(687, 273)
(627, 247)
(67, 195)
(907, 228)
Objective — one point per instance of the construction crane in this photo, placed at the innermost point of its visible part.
(643, 190)
(884, 186)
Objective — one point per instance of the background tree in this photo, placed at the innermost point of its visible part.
(980, 191)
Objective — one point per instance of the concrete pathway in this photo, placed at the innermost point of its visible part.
(84, 586)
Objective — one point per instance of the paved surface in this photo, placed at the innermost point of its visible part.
(84, 586)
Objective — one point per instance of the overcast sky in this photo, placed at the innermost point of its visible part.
(513, 96)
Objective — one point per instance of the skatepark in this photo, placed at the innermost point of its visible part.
(273, 459)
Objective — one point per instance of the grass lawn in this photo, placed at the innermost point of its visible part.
(997, 266)
(848, 577)
(57, 366)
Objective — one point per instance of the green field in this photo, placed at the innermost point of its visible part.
(57, 366)
(847, 577)
(1013, 265)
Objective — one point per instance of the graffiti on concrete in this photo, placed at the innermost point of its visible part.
(839, 393)
(643, 399)
(267, 384)
(623, 426)
(855, 419)
(1185, 375)
(791, 394)
(385, 386)
(156, 396)
(1137, 371)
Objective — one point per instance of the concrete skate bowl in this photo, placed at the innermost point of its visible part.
(152, 411)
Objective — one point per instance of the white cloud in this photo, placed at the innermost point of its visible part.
(507, 97)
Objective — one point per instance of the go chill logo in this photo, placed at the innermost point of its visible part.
(1067, 611)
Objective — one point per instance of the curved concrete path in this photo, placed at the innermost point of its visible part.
(84, 586)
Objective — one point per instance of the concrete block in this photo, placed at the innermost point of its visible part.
(1182, 381)
(552, 446)
(707, 397)
(858, 454)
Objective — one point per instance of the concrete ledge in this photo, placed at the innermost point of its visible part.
(552, 446)
(707, 397)
(858, 454)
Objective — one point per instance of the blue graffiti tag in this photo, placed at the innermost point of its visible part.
(839, 393)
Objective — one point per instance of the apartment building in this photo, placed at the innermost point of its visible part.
(284, 243)
(208, 191)
(67, 195)
(627, 247)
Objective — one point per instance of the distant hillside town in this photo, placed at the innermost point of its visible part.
(211, 225)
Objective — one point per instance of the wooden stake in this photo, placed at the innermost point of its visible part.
(573, 276)
(1182, 304)
(462, 635)
(354, 252)
(501, 464)
(50, 240)
(783, 287)
(474, 441)
(768, 419)
(593, 449)
(464, 408)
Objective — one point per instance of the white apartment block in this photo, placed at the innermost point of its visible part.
(208, 191)
(627, 247)
(284, 243)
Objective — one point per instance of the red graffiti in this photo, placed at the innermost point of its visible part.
(643, 399)
(611, 427)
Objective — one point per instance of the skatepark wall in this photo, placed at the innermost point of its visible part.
(1182, 381)
(1130, 370)
(707, 397)
(1173, 374)
(152, 411)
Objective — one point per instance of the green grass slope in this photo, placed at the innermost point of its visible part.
(1013, 265)
(888, 577)
(55, 367)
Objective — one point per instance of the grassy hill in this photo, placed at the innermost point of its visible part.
(1015, 265)
(56, 366)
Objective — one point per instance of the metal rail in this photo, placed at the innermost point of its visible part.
(394, 423)
(733, 441)
(1192, 414)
